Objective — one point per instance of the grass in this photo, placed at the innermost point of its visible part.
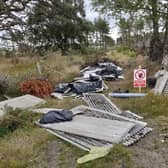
(151, 106)
(119, 156)
(19, 149)
(22, 144)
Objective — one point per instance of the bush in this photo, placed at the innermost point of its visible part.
(127, 51)
(15, 119)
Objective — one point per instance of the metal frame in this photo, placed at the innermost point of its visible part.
(100, 101)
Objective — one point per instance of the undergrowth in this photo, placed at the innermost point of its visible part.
(15, 119)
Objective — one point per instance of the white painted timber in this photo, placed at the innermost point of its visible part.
(165, 90)
(45, 110)
(102, 129)
(161, 82)
(22, 102)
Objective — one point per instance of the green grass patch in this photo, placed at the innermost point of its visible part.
(150, 106)
(21, 148)
(15, 119)
(126, 51)
(119, 156)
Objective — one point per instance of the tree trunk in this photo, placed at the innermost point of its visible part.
(156, 46)
(64, 47)
(166, 31)
(165, 45)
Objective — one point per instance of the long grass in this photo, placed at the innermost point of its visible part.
(30, 146)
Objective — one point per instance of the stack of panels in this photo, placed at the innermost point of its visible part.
(88, 111)
(136, 130)
(113, 131)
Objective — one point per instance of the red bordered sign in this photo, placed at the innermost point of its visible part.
(140, 78)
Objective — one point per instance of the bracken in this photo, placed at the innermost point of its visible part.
(36, 87)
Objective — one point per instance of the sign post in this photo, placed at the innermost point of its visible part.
(139, 78)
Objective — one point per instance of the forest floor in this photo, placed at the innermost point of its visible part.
(33, 147)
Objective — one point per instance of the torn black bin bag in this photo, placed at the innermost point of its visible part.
(62, 88)
(56, 116)
(109, 69)
(84, 87)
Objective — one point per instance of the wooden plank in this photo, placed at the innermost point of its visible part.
(45, 110)
(102, 129)
(161, 82)
(165, 91)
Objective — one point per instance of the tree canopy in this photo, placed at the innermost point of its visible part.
(152, 13)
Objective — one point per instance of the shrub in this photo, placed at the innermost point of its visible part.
(127, 51)
(15, 119)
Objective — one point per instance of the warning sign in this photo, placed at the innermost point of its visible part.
(140, 78)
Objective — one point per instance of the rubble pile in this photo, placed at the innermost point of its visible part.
(107, 70)
(102, 124)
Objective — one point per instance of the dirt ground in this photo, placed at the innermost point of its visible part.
(152, 150)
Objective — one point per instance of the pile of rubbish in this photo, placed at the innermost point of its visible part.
(101, 124)
(78, 87)
(107, 70)
(90, 80)
(94, 128)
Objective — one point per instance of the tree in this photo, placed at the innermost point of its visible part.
(150, 10)
(57, 24)
(125, 31)
(12, 16)
(102, 27)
